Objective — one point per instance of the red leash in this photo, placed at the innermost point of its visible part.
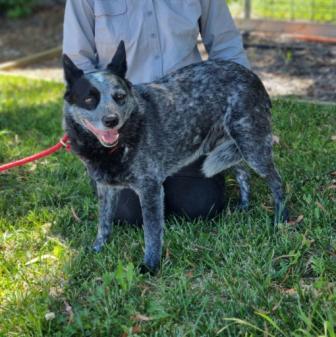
(64, 142)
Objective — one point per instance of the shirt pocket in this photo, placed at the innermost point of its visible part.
(111, 21)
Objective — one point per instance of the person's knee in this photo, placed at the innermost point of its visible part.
(195, 196)
(191, 196)
(128, 209)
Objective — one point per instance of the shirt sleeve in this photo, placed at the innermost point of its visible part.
(79, 35)
(220, 36)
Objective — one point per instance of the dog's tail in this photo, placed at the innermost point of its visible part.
(221, 158)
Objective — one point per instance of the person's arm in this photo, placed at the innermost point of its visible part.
(78, 38)
(220, 36)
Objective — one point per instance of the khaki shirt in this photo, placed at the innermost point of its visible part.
(160, 35)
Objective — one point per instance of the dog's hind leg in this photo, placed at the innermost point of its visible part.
(257, 152)
(151, 199)
(242, 178)
(108, 198)
(221, 158)
(273, 180)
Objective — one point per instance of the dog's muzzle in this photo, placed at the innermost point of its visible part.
(108, 138)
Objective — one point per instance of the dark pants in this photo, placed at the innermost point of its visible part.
(187, 193)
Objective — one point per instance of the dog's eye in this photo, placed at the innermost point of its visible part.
(119, 98)
(89, 100)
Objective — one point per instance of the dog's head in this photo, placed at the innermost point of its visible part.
(101, 102)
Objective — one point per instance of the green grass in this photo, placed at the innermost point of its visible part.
(235, 276)
(323, 11)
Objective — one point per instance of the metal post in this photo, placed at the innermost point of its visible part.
(247, 11)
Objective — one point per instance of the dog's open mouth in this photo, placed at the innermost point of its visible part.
(108, 138)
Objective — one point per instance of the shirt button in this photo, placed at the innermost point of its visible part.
(149, 13)
(153, 35)
(157, 57)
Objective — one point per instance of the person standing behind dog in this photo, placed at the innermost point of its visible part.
(160, 37)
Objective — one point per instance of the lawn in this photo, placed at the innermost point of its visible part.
(323, 11)
(235, 276)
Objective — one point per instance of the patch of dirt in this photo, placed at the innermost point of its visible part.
(287, 67)
(33, 34)
(294, 68)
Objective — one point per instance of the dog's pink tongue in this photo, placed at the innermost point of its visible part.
(110, 136)
(107, 136)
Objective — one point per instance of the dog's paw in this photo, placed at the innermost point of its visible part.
(98, 245)
(144, 269)
(96, 249)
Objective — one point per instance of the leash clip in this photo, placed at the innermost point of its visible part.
(65, 142)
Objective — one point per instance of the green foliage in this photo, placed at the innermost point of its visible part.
(237, 275)
(315, 10)
(323, 11)
(17, 8)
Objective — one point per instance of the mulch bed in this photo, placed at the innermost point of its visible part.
(38, 32)
(309, 68)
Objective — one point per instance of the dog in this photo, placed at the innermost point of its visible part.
(135, 136)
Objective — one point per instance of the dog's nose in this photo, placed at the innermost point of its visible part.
(110, 121)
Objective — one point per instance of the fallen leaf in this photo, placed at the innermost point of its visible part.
(136, 329)
(333, 137)
(275, 139)
(297, 221)
(49, 316)
(32, 167)
(281, 257)
(290, 291)
(144, 291)
(320, 206)
(74, 214)
(190, 274)
(331, 187)
(167, 253)
(56, 291)
(276, 306)
(141, 318)
(46, 227)
(267, 208)
(69, 312)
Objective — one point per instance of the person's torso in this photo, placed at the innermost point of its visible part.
(160, 35)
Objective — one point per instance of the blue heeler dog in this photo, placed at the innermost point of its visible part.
(136, 136)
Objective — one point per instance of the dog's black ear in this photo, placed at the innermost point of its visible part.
(118, 65)
(71, 72)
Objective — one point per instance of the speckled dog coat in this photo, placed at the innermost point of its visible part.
(136, 136)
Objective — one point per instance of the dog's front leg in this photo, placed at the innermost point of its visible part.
(151, 200)
(108, 198)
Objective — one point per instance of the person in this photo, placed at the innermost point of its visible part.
(160, 37)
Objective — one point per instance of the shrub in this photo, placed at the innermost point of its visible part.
(17, 8)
